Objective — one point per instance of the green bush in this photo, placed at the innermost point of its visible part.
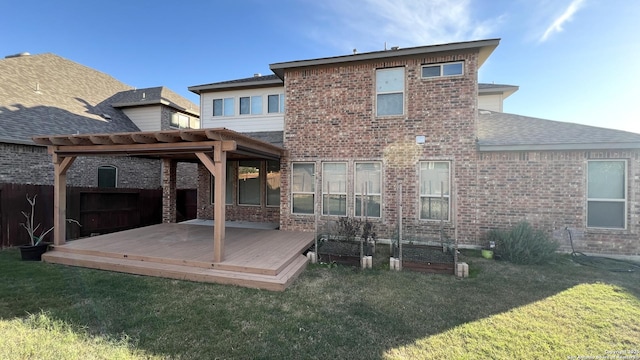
(523, 244)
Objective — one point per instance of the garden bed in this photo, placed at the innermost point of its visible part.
(345, 252)
(425, 258)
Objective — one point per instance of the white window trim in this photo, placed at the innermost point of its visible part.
(178, 116)
(324, 188)
(441, 65)
(448, 197)
(358, 192)
(624, 200)
(313, 193)
(280, 104)
(251, 107)
(223, 107)
(403, 92)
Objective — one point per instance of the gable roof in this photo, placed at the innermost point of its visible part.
(488, 89)
(159, 95)
(485, 47)
(509, 132)
(46, 94)
(257, 81)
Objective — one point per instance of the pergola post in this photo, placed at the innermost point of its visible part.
(218, 168)
(60, 167)
(169, 192)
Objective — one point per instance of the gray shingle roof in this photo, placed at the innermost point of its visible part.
(244, 83)
(46, 95)
(154, 96)
(503, 131)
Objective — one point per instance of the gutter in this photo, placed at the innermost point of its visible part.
(550, 147)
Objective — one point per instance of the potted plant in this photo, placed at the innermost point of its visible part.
(37, 247)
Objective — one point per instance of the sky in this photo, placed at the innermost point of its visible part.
(574, 60)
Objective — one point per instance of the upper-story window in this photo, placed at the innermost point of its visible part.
(223, 107)
(275, 103)
(390, 91)
(251, 105)
(440, 70)
(182, 121)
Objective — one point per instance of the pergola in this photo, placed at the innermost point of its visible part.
(211, 147)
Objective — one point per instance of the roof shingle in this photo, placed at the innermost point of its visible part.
(46, 95)
(503, 131)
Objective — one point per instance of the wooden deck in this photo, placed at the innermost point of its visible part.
(257, 258)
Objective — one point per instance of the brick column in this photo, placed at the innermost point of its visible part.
(169, 194)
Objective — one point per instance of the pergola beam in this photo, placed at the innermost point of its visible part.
(211, 146)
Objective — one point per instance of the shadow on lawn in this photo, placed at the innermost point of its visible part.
(327, 313)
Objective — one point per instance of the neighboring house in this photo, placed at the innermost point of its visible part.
(48, 95)
(358, 128)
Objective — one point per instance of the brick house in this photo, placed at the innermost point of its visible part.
(46, 94)
(359, 128)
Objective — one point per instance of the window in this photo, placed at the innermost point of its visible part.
(194, 123)
(223, 107)
(107, 176)
(251, 105)
(606, 194)
(182, 121)
(275, 103)
(390, 91)
(434, 190)
(334, 188)
(303, 187)
(439, 70)
(368, 189)
(229, 185)
(249, 182)
(273, 183)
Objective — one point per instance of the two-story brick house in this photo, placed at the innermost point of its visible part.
(358, 128)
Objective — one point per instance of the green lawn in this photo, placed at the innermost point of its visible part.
(504, 311)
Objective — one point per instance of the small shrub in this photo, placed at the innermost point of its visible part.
(523, 244)
(347, 228)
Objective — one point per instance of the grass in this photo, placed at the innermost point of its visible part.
(503, 311)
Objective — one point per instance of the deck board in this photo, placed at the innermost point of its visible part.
(248, 252)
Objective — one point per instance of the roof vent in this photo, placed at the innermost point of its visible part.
(106, 116)
(395, 47)
(17, 55)
(257, 75)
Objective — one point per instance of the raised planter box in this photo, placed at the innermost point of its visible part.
(342, 252)
(425, 258)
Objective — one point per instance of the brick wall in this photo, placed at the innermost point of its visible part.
(24, 164)
(261, 213)
(331, 117)
(187, 175)
(548, 189)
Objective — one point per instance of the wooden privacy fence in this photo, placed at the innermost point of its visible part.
(99, 211)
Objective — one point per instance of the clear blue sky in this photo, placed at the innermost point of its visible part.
(574, 60)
